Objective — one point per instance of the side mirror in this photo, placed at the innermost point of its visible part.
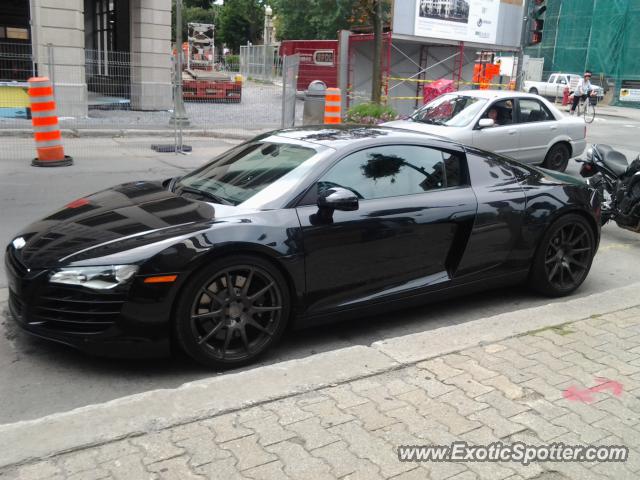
(486, 123)
(338, 198)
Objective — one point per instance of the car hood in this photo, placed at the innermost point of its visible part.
(440, 130)
(133, 213)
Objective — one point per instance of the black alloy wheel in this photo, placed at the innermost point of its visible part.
(557, 158)
(232, 312)
(564, 257)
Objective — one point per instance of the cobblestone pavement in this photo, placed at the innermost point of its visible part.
(508, 391)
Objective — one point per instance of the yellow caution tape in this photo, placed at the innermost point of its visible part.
(416, 80)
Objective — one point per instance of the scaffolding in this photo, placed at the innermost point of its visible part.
(596, 35)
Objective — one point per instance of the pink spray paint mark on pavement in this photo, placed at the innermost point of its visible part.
(576, 394)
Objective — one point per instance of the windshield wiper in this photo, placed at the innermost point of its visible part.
(206, 194)
(430, 121)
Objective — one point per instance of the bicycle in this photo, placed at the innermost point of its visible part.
(587, 108)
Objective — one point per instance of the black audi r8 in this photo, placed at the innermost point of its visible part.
(297, 227)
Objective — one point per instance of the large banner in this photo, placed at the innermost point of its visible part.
(461, 20)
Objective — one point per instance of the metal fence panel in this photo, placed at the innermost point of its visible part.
(290, 67)
(119, 96)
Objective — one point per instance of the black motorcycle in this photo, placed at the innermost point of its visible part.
(617, 183)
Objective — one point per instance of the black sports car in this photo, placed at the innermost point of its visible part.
(295, 227)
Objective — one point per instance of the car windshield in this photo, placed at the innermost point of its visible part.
(451, 110)
(243, 172)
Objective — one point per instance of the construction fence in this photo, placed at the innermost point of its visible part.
(115, 94)
(596, 35)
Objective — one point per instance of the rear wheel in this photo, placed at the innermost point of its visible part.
(232, 312)
(564, 257)
(534, 91)
(557, 158)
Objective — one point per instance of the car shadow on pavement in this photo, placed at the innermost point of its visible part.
(294, 345)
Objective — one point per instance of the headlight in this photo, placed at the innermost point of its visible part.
(98, 278)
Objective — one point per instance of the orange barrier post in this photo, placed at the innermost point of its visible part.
(46, 131)
(333, 106)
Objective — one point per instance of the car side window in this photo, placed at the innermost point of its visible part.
(562, 80)
(531, 110)
(500, 112)
(396, 170)
(552, 78)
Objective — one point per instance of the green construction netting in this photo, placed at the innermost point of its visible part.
(598, 35)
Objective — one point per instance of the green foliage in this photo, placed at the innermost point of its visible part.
(204, 4)
(370, 114)
(311, 19)
(241, 21)
(232, 59)
(194, 12)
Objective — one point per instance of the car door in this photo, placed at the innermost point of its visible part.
(503, 137)
(415, 210)
(561, 84)
(537, 127)
(550, 86)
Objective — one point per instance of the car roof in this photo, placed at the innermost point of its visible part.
(493, 94)
(339, 136)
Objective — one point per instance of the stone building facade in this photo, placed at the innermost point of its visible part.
(90, 48)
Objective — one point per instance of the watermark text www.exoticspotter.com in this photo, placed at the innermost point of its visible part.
(517, 452)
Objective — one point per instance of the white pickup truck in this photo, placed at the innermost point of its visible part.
(554, 87)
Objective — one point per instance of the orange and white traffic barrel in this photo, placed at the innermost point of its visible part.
(46, 130)
(333, 106)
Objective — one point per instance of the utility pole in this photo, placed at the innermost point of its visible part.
(179, 117)
(378, 26)
(523, 41)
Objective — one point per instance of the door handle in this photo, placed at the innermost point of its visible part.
(553, 128)
(512, 132)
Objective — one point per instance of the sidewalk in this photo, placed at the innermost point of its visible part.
(344, 413)
(602, 110)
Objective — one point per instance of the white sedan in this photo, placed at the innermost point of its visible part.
(519, 125)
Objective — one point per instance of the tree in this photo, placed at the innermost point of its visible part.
(311, 19)
(193, 11)
(241, 21)
(322, 19)
(374, 14)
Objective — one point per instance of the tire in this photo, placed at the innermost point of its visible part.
(533, 90)
(222, 325)
(589, 112)
(564, 257)
(557, 158)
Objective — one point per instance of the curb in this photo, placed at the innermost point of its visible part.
(160, 409)
(135, 133)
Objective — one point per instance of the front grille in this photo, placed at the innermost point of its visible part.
(76, 310)
(16, 306)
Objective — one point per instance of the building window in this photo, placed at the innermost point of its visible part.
(105, 33)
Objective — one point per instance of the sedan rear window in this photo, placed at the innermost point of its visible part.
(452, 110)
(244, 171)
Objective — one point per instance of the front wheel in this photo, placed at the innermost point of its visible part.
(557, 158)
(564, 257)
(589, 112)
(233, 311)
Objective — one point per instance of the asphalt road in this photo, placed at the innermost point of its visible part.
(39, 378)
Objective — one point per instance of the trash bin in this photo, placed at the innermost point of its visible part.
(313, 112)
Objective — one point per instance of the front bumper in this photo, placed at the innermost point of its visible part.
(134, 322)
